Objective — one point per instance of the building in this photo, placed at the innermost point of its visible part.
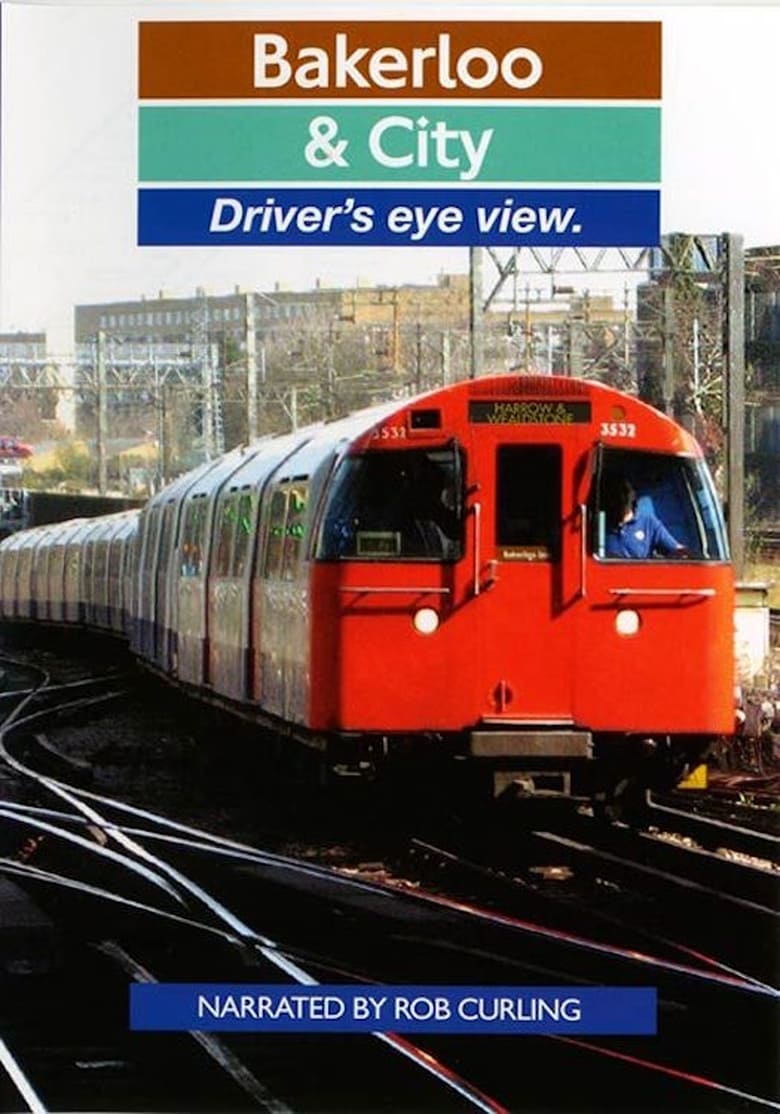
(212, 370)
(174, 320)
(291, 356)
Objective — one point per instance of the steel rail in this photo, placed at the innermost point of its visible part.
(274, 954)
(667, 1070)
(30, 873)
(62, 686)
(212, 1045)
(761, 845)
(399, 1044)
(510, 884)
(631, 865)
(28, 695)
(267, 948)
(217, 845)
(20, 1080)
(46, 714)
(21, 870)
(9, 812)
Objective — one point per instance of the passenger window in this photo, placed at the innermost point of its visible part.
(294, 530)
(225, 528)
(241, 548)
(275, 537)
(114, 561)
(166, 539)
(88, 560)
(150, 555)
(528, 502)
(101, 553)
(192, 537)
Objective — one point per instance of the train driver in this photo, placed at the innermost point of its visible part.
(633, 531)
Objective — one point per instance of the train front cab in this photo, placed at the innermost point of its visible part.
(515, 639)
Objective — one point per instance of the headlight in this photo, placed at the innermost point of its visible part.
(627, 623)
(426, 620)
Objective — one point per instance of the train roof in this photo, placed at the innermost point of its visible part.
(305, 448)
(608, 402)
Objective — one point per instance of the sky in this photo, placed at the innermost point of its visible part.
(68, 154)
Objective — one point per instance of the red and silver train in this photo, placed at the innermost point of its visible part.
(429, 579)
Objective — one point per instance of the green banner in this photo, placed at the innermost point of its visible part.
(416, 143)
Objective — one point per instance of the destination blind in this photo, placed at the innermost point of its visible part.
(528, 412)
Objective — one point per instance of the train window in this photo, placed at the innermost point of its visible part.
(675, 491)
(528, 502)
(275, 537)
(87, 566)
(294, 530)
(150, 555)
(241, 549)
(114, 562)
(193, 536)
(226, 524)
(166, 533)
(396, 505)
(101, 556)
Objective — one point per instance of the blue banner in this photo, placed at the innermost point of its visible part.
(401, 1009)
(510, 217)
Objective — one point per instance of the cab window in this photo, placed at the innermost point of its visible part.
(654, 506)
(395, 505)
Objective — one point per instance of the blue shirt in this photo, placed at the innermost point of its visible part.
(640, 537)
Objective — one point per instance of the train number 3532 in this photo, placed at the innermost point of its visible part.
(618, 429)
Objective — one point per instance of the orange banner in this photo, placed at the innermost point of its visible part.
(378, 60)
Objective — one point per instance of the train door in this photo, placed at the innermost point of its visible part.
(524, 538)
(161, 586)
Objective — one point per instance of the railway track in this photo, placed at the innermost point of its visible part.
(730, 805)
(158, 890)
(482, 943)
(670, 888)
(152, 898)
(723, 904)
(676, 844)
(713, 833)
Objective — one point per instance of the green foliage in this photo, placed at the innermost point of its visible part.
(71, 470)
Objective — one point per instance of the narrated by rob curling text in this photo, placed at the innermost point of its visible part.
(409, 1009)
